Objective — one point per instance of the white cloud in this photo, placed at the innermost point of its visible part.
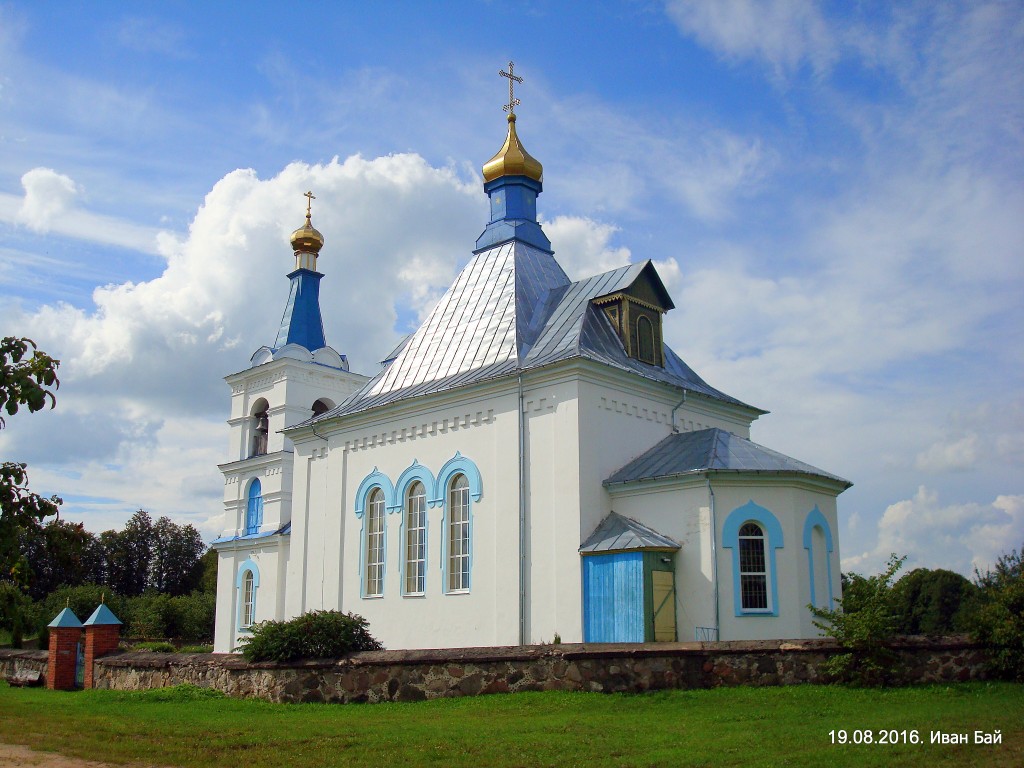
(52, 205)
(141, 407)
(959, 537)
(48, 195)
(945, 456)
(583, 246)
(784, 33)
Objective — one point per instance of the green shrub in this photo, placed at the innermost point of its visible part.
(193, 616)
(150, 616)
(864, 633)
(999, 622)
(17, 613)
(319, 634)
(156, 646)
(196, 649)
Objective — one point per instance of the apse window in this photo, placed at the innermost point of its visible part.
(753, 569)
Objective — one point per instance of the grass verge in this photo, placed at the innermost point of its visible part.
(724, 727)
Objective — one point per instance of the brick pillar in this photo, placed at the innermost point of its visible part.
(102, 634)
(65, 634)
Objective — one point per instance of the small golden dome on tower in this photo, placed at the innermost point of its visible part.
(307, 239)
(512, 159)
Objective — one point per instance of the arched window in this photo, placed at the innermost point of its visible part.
(645, 339)
(374, 543)
(458, 534)
(247, 583)
(260, 426)
(248, 601)
(415, 539)
(254, 508)
(753, 569)
(323, 405)
(753, 534)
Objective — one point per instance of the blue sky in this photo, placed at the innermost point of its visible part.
(831, 192)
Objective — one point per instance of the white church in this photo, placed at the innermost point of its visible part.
(532, 462)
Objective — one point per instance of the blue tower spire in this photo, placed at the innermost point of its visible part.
(512, 181)
(302, 322)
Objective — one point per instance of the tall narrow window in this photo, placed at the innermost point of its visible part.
(645, 340)
(415, 539)
(458, 534)
(753, 569)
(375, 544)
(248, 601)
(254, 508)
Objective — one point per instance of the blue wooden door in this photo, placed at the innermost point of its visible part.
(613, 598)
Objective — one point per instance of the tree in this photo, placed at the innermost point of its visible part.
(175, 558)
(61, 553)
(127, 554)
(932, 602)
(23, 382)
(863, 624)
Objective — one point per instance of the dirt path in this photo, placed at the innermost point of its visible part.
(13, 756)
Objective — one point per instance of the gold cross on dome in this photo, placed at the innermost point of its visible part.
(513, 102)
(309, 202)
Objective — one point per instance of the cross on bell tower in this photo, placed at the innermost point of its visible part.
(513, 102)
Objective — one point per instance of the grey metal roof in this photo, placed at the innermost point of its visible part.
(513, 308)
(712, 450)
(617, 533)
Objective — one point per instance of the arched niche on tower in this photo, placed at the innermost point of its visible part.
(259, 427)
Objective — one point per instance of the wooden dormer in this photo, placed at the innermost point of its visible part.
(634, 309)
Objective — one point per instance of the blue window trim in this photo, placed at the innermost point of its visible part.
(414, 471)
(753, 513)
(376, 479)
(243, 569)
(253, 516)
(457, 465)
(815, 519)
(410, 475)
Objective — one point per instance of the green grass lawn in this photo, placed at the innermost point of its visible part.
(728, 726)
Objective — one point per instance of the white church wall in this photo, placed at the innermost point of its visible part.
(790, 501)
(551, 410)
(681, 511)
(267, 558)
(328, 536)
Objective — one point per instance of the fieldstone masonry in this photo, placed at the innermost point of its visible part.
(415, 675)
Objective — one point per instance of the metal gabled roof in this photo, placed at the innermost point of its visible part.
(513, 308)
(712, 450)
(617, 533)
(480, 321)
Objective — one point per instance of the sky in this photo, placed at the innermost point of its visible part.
(832, 193)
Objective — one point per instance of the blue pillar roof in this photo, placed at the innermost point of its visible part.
(102, 616)
(302, 322)
(65, 619)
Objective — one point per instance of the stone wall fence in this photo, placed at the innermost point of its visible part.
(375, 676)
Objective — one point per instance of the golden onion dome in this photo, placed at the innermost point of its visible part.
(512, 159)
(306, 238)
